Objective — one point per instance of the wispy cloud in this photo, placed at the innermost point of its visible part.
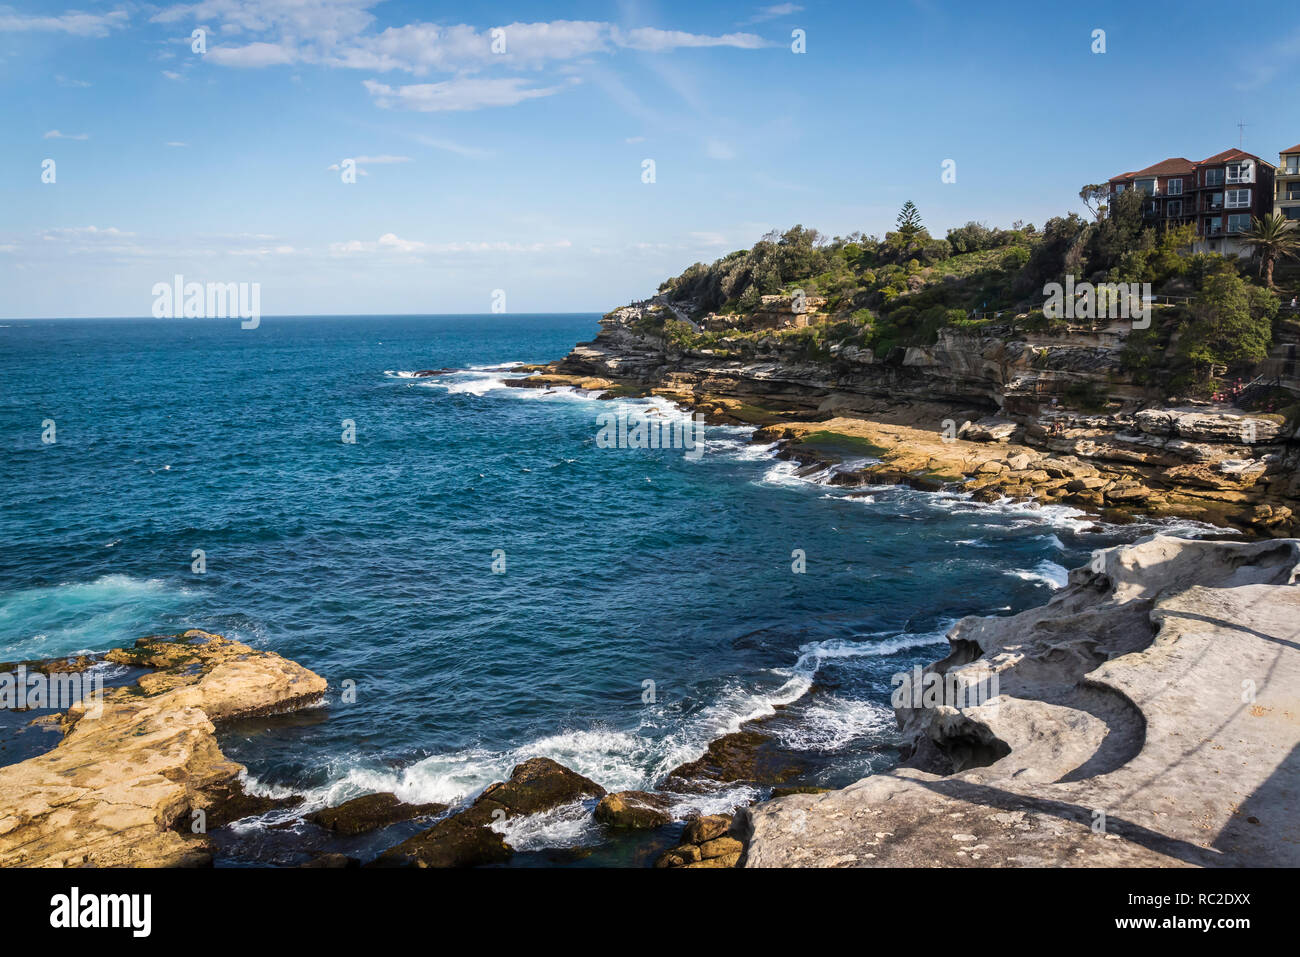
(332, 33)
(467, 93)
(450, 146)
(74, 22)
(1277, 58)
(391, 244)
(57, 135)
(775, 12)
(254, 55)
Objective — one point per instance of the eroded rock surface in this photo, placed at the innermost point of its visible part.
(113, 790)
(1149, 715)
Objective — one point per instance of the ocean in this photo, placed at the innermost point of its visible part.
(476, 578)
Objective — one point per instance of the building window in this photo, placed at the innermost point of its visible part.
(1174, 187)
(1174, 209)
(1291, 212)
(1214, 201)
(1239, 199)
(1213, 227)
(1292, 165)
(1238, 222)
(1239, 173)
(1214, 177)
(1147, 186)
(1119, 188)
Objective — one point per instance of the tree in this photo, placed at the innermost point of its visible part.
(1094, 196)
(1272, 237)
(1231, 322)
(909, 222)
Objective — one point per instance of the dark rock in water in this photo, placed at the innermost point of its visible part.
(232, 803)
(742, 756)
(467, 840)
(638, 810)
(332, 860)
(457, 841)
(537, 785)
(425, 373)
(371, 812)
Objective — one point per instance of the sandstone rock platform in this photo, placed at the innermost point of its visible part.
(1149, 715)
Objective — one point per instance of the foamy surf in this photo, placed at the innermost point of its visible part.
(1047, 573)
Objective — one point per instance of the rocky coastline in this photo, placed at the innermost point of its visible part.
(988, 413)
(1145, 716)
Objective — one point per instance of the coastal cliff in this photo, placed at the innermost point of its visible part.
(995, 413)
(1147, 716)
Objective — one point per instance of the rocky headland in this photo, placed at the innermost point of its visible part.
(996, 412)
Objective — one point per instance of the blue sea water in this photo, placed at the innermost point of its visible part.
(372, 563)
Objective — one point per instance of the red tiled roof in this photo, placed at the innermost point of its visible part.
(1294, 149)
(1229, 156)
(1170, 167)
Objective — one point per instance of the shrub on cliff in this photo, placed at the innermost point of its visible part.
(1231, 323)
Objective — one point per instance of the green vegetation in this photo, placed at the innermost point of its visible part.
(1214, 316)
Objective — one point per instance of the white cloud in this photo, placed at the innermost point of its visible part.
(332, 32)
(390, 243)
(660, 41)
(775, 11)
(56, 135)
(465, 93)
(69, 82)
(74, 22)
(253, 55)
(83, 232)
(175, 143)
(171, 75)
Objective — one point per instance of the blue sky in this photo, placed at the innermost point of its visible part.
(522, 170)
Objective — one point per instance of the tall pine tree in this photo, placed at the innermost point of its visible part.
(909, 221)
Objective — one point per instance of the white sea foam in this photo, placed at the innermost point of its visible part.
(832, 723)
(622, 760)
(1045, 573)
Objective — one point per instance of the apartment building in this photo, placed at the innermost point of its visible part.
(1287, 201)
(1218, 195)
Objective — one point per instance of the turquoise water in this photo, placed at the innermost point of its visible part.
(372, 562)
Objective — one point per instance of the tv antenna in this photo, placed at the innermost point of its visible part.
(1241, 134)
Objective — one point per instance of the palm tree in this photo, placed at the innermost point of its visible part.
(1272, 237)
